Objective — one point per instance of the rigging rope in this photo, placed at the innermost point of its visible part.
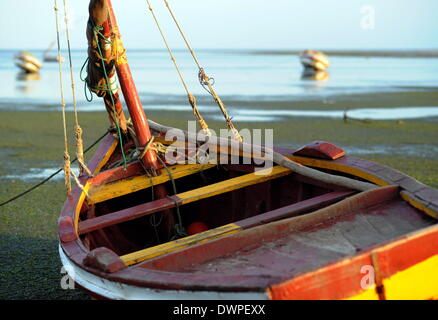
(78, 129)
(191, 97)
(67, 168)
(50, 176)
(205, 81)
(108, 89)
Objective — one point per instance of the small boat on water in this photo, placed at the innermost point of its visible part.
(52, 58)
(27, 62)
(314, 60)
(316, 224)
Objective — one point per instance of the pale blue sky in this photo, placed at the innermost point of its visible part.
(237, 24)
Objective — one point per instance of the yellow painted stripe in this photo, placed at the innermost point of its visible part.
(106, 158)
(179, 244)
(418, 205)
(368, 294)
(79, 205)
(331, 165)
(88, 185)
(417, 282)
(233, 184)
(201, 193)
(362, 174)
(100, 193)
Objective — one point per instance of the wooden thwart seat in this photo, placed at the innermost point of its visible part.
(99, 193)
(181, 199)
(264, 218)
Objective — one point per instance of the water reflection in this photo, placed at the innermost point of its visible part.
(27, 81)
(314, 75)
(24, 76)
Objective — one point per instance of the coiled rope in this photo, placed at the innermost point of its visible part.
(96, 33)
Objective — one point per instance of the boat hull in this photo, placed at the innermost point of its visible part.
(401, 257)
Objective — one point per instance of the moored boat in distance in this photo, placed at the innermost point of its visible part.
(161, 213)
(314, 60)
(27, 62)
(52, 58)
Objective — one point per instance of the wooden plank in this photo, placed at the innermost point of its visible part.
(417, 203)
(104, 152)
(295, 209)
(179, 244)
(196, 254)
(125, 215)
(340, 165)
(99, 193)
(181, 198)
(279, 228)
(118, 173)
(233, 184)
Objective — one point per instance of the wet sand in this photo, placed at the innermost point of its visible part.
(33, 139)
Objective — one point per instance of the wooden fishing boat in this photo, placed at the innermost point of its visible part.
(317, 224)
(48, 57)
(314, 60)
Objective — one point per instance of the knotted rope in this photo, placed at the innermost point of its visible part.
(78, 129)
(67, 163)
(191, 97)
(67, 168)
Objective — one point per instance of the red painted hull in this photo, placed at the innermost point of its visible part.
(296, 239)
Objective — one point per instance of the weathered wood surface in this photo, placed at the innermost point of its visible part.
(101, 192)
(398, 226)
(180, 199)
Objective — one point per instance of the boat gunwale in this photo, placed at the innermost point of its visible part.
(76, 252)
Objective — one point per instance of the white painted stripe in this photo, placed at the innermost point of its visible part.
(120, 291)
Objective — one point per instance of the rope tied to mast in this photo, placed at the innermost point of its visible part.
(205, 80)
(100, 70)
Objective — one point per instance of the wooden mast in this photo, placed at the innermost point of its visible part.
(138, 116)
(130, 94)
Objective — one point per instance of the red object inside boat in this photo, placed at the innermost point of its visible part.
(196, 227)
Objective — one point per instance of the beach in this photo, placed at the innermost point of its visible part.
(391, 103)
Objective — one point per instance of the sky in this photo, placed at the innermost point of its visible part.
(236, 24)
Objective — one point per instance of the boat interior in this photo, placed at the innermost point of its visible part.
(124, 214)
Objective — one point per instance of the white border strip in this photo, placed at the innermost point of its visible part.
(120, 291)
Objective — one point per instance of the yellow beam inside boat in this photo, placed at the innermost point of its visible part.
(201, 193)
(100, 193)
(233, 184)
(179, 244)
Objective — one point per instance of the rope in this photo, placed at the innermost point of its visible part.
(78, 129)
(205, 80)
(161, 148)
(96, 31)
(66, 154)
(50, 176)
(190, 96)
(179, 228)
(79, 184)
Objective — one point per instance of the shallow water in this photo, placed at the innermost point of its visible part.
(251, 81)
(240, 76)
